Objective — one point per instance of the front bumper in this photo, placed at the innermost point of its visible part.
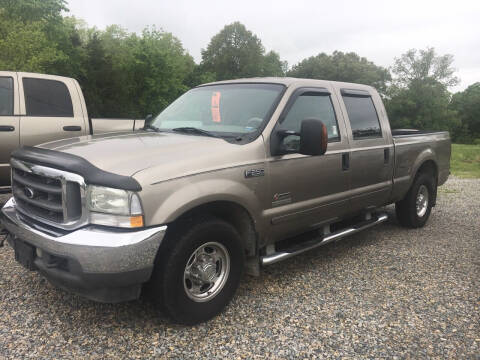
(105, 265)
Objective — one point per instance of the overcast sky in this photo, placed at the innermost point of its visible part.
(378, 30)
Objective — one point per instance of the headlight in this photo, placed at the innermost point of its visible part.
(114, 207)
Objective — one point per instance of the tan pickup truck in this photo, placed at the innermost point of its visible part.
(232, 176)
(37, 108)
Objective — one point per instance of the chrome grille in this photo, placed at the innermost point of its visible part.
(38, 195)
(49, 195)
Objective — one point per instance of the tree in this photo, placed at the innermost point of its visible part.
(25, 29)
(340, 66)
(419, 97)
(98, 83)
(467, 105)
(28, 11)
(130, 75)
(236, 52)
(424, 66)
(162, 67)
(25, 47)
(273, 65)
(423, 106)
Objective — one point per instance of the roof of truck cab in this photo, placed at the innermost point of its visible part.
(288, 81)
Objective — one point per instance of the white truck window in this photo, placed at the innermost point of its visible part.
(47, 98)
(6, 96)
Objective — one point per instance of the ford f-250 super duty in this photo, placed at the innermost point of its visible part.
(231, 176)
(36, 108)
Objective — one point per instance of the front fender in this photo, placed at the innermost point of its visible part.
(167, 201)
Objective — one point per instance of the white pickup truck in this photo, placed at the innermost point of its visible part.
(39, 108)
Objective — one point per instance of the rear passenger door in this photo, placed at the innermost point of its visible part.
(9, 122)
(371, 153)
(51, 109)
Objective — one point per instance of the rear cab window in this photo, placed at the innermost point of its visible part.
(45, 97)
(6, 96)
(362, 114)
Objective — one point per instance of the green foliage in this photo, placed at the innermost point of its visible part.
(465, 160)
(419, 96)
(467, 105)
(26, 27)
(236, 52)
(26, 47)
(422, 105)
(27, 11)
(130, 75)
(340, 66)
(273, 65)
(424, 66)
(122, 74)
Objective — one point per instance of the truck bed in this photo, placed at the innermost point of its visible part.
(411, 148)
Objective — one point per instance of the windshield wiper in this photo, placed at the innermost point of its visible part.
(194, 130)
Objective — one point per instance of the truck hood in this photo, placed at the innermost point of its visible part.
(175, 155)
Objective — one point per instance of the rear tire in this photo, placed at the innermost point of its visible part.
(199, 269)
(414, 210)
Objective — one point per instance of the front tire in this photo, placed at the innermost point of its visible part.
(199, 270)
(414, 210)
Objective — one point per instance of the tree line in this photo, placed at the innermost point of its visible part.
(125, 74)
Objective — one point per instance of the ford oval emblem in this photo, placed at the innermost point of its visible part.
(29, 193)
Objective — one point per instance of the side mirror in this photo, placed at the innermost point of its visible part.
(148, 118)
(313, 137)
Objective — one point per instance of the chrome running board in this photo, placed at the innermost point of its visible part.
(285, 254)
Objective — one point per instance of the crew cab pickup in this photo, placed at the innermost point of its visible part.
(232, 176)
(37, 108)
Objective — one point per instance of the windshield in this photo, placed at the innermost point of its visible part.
(223, 110)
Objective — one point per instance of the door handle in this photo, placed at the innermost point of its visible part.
(386, 155)
(7, 128)
(72, 128)
(345, 161)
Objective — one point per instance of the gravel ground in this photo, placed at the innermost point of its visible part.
(386, 292)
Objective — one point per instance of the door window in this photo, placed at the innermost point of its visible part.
(47, 98)
(363, 117)
(6, 96)
(310, 105)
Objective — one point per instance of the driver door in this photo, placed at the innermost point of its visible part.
(308, 191)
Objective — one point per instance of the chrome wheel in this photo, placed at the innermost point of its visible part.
(422, 200)
(206, 271)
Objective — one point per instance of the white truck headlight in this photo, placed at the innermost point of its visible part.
(114, 207)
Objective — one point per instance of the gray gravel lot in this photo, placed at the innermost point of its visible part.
(385, 292)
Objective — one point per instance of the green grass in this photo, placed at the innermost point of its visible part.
(465, 161)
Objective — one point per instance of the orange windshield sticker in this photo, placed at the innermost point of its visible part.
(216, 107)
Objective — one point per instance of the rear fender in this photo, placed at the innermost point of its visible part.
(423, 157)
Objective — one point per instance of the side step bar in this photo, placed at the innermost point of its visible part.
(282, 255)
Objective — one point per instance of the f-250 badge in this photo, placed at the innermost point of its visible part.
(254, 173)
